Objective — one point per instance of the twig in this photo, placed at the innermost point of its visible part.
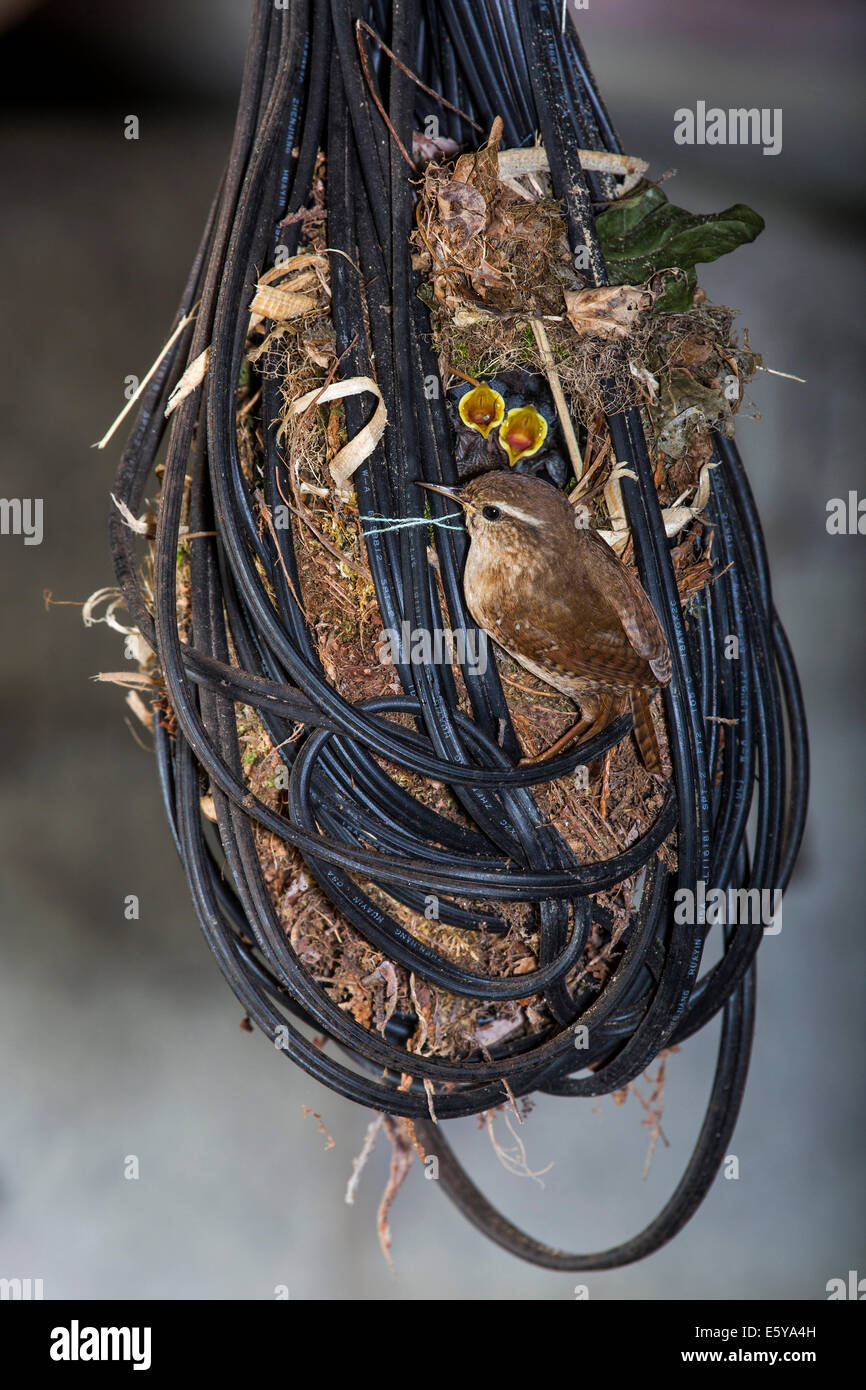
(360, 1162)
(513, 1160)
(268, 519)
(332, 1143)
(543, 342)
(187, 318)
(402, 1154)
(530, 690)
(516, 163)
(437, 96)
(375, 95)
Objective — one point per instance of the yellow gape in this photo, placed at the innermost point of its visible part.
(482, 409)
(522, 433)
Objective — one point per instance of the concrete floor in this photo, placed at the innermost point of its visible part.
(120, 1038)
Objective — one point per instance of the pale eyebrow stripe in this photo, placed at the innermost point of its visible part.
(521, 516)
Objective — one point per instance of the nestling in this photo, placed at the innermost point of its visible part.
(562, 603)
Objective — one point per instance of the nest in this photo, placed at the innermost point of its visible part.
(417, 920)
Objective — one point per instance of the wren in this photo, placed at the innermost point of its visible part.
(560, 601)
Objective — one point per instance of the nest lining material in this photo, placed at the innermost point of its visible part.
(264, 643)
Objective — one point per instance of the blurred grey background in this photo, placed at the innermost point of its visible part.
(120, 1038)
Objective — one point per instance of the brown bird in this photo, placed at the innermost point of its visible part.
(561, 602)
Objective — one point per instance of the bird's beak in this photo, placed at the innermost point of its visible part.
(452, 493)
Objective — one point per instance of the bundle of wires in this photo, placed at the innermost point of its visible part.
(737, 805)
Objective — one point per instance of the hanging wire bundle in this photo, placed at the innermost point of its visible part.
(736, 802)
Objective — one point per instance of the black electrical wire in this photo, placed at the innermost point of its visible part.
(738, 797)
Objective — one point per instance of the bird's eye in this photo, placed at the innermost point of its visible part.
(491, 513)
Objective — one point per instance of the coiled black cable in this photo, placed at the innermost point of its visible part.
(304, 90)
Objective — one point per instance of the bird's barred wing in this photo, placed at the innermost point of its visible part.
(612, 660)
(640, 623)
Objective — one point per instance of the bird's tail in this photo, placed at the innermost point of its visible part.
(644, 731)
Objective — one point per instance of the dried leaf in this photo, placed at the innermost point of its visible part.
(272, 302)
(192, 378)
(463, 212)
(525, 966)
(426, 147)
(610, 312)
(353, 454)
(686, 406)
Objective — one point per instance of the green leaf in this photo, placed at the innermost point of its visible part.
(678, 293)
(646, 234)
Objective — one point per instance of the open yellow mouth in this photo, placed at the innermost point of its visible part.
(522, 433)
(482, 409)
